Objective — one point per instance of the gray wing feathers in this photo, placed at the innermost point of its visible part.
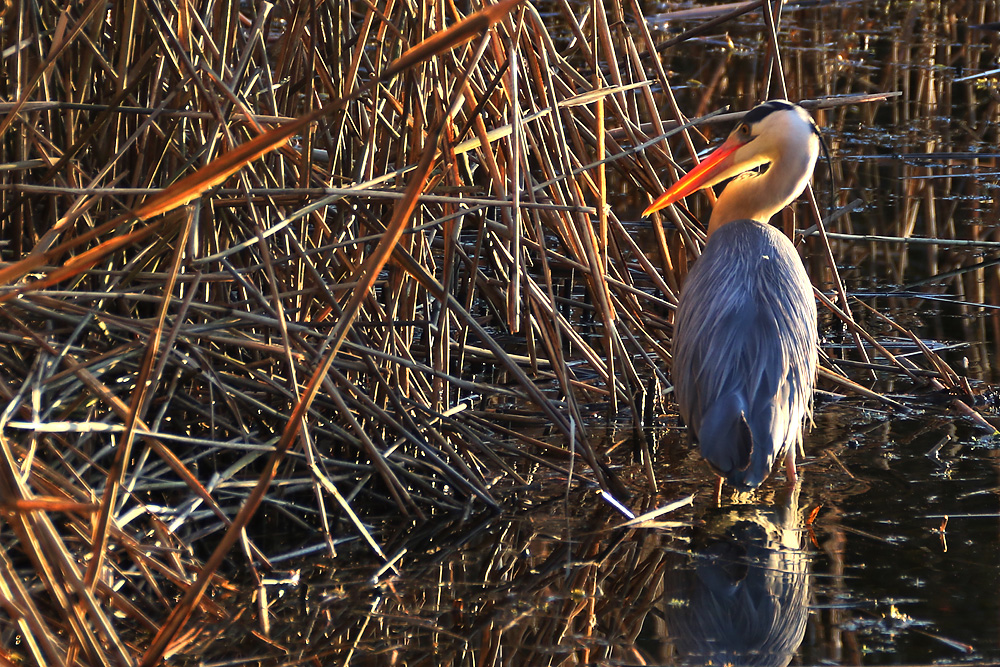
(745, 350)
(725, 436)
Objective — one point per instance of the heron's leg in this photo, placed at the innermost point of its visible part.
(789, 501)
(718, 492)
(790, 473)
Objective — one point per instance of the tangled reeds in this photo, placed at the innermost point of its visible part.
(287, 267)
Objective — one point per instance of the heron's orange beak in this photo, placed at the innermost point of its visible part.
(697, 178)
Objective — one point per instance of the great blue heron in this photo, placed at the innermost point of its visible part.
(745, 333)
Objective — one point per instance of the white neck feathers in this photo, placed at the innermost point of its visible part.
(788, 141)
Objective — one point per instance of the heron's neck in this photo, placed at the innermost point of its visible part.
(753, 196)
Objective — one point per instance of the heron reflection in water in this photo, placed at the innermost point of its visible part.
(741, 596)
(745, 333)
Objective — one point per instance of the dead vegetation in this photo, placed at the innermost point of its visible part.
(309, 262)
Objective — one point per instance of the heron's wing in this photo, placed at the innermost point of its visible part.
(725, 437)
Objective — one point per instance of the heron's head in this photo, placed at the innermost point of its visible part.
(773, 132)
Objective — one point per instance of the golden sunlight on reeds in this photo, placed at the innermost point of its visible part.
(282, 268)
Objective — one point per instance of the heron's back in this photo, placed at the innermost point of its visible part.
(745, 350)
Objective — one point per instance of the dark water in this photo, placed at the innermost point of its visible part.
(888, 553)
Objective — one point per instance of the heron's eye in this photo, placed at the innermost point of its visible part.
(743, 130)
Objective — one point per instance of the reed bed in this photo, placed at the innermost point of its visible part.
(280, 270)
